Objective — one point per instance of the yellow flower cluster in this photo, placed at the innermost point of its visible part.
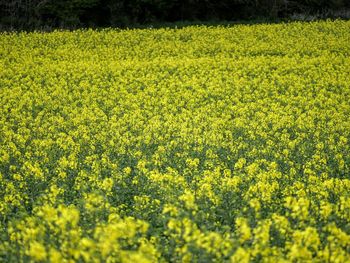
(200, 144)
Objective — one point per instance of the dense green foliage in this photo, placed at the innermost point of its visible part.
(32, 14)
(200, 144)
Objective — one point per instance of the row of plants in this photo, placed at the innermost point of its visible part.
(49, 14)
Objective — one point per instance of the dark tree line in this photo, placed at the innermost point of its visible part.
(32, 14)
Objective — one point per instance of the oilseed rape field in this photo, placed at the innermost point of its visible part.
(199, 144)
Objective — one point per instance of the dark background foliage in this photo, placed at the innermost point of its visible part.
(41, 14)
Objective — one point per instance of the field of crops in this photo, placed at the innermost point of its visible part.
(200, 144)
